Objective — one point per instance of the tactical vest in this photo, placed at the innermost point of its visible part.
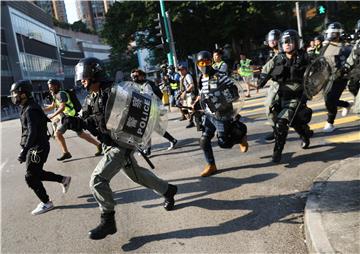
(244, 69)
(217, 66)
(69, 106)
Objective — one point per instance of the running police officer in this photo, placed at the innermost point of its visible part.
(336, 53)
(218, 114)
(352, 69)
(287, 69)
(91, 73)
(272, 40)
(35, 145)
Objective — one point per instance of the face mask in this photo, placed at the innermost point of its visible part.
(205, 69)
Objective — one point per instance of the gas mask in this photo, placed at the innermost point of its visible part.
(204, 66)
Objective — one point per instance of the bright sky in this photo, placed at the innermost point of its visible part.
(70, 6)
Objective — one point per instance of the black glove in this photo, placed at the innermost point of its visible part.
(22, 156)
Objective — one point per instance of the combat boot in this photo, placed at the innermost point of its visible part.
(305, 134)
(169, 197)
(244, 145)
(281, 131)
(276, 157)
(209, 170)
(106, 227)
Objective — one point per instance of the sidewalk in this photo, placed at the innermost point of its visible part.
(332, 212)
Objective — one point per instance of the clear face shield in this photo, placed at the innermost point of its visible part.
(288, 44)
(80, 71)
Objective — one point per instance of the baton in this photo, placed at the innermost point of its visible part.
(144, 156)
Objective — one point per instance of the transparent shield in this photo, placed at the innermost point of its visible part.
(133, 114)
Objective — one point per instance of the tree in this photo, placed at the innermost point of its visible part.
(198, 25)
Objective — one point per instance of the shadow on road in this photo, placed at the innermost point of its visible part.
(264, 211)
(337, 151)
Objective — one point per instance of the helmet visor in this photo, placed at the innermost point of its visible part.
(82, 72)
(203, 63)
(288, 43)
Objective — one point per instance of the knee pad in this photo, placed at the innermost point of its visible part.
(205, 142)
(282, 124)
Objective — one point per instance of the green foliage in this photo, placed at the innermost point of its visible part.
(198, 25)
(80, 26)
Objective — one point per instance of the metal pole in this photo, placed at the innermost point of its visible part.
(299, 22)
(172, 43)
(169, 55)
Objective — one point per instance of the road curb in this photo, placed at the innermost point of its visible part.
(316, 238)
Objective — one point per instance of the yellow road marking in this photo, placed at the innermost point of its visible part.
(343, 120)
(314, 105)
(349, 137)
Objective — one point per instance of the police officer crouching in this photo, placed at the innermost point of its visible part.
(287, 69)
(35, 145)
(218, 109)
(91, 73)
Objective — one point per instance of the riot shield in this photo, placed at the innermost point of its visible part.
(317, 77)
(133, 113)
(224, 101)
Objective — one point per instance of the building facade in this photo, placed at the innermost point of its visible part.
(32, 48)
(74, 46)
(92, 13)
(29, 47)
(55, 8)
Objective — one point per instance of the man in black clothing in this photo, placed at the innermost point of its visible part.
(35, 145)
(139, 77)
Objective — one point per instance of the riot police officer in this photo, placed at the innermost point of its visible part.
(272, 40)
(287, 69)
(218, 113)
(35, 145)
(336, 53)
(352, 69)
(91, 73)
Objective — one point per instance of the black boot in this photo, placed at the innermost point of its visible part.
(106, 227)
(305, 134)
(169, 197)
(276, 157)
(280, 132)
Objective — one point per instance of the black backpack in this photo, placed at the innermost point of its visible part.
(73, 98)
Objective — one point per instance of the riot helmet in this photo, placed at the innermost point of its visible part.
(18, 88)
(272, 38)
(289, 41)
(91, 69)
(204, 61)
(333, 31)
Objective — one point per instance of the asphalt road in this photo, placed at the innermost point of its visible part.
(250, 205)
